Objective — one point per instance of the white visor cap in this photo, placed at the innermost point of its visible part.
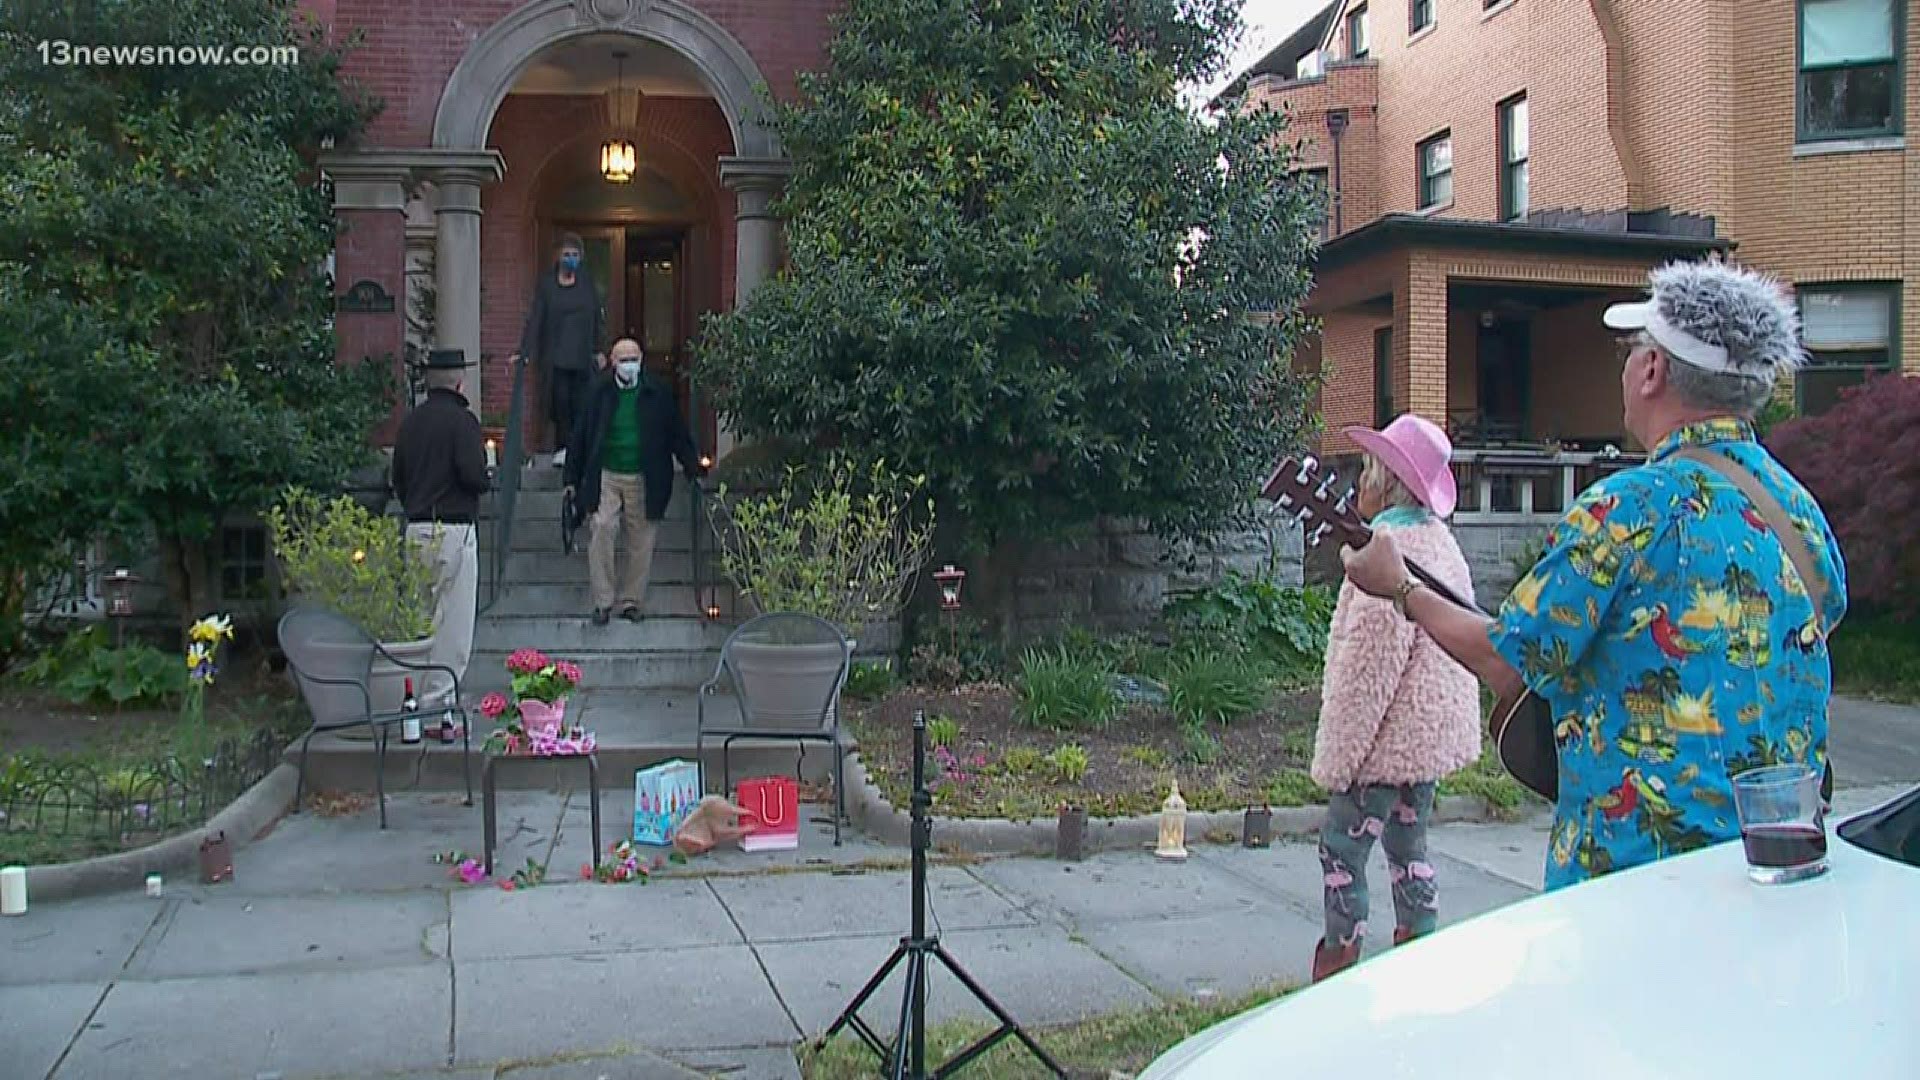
(1645, 315)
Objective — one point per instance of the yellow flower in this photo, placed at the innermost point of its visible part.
(198, 654)
(212, 630)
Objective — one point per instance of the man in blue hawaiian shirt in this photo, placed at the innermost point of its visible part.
(1665, 626)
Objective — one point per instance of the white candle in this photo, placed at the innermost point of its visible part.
(493, 460)
(153, 885)
(13, 890)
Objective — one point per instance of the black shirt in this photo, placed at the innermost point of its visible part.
(563, 329)
(440, 461)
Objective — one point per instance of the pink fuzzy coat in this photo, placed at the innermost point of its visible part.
(1394, 708)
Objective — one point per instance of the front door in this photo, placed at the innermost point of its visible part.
(1506, 380)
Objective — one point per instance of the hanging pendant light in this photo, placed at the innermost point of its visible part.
(618, 156)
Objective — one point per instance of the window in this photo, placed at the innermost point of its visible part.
(1513, 159)
(243, 563)
(1488, 5)
(1383, 376)
(1357, 33)
(1850, 68)
(1419, 15)
(1316, 179)
(1436, 171)
(1849, 334)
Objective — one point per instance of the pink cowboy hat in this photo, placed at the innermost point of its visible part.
(1417, 451)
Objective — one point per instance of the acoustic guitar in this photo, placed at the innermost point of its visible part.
(1522, 724)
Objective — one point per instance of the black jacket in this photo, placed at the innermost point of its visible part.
(565, 325)
(663, 437)
(440, 461)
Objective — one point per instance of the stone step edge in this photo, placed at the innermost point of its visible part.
(869, 811)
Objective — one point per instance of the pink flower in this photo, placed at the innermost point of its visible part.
(506, 885)
(472, 871)
(569, 671)
(493, 705)
(586, 872)
(526, 661)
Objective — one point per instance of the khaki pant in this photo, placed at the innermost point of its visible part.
(623, 499)
(455, 555)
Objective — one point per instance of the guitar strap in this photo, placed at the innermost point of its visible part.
(1792, 543)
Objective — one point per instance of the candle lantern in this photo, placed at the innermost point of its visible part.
(713, 611)
(1173, 826)
(120, 585)
(1257, 830)
(1070, 836)
(949, 578)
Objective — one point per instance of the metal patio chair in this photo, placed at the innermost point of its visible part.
(331, 658)
(770, 718)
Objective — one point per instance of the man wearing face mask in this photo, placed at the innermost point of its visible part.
(621, 473)
(562, 338)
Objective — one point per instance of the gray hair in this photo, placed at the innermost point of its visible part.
(1716, 391)
(444, 378)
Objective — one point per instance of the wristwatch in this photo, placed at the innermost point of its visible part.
(1404, 590)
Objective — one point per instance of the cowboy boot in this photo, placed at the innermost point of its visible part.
(1402, 935)
(1331, 959)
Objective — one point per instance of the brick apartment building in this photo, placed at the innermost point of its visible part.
(490, 146)
(1498, 171)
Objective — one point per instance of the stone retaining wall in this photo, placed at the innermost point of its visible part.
(1118, 577)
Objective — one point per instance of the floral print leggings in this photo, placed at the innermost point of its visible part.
(1397, 816)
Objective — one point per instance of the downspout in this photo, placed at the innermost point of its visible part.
(1616, 63)
(1336, 126)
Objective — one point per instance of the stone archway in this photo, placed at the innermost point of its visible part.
(491, 66)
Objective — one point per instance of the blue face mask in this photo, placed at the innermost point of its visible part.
(570, 261)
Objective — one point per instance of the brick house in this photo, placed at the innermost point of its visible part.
(1498, 172)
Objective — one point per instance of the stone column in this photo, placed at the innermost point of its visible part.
(754, 182)
(456, 267)
(421, 234)
(369, 208)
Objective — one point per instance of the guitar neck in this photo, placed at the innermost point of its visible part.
(1426, 578)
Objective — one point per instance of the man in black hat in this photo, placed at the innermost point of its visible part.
(439, 474)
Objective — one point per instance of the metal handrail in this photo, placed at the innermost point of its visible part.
(701, 601)
(507, 484)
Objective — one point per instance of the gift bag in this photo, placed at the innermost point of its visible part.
(663, 796)
(714, 821)
(774, 802)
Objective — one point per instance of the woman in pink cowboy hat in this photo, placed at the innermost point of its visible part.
(1396, 713)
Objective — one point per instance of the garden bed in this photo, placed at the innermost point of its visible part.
(1000, 767)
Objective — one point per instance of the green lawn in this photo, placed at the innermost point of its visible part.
(1878, 658)
(1118, 1042)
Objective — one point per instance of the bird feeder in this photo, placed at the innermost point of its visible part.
(949, 578)
(120, 585)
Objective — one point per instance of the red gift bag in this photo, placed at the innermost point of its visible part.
(774, 803)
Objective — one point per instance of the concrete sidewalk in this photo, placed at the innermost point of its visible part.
(342, 951)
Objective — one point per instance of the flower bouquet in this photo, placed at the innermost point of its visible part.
(532, 722)
(203, 646)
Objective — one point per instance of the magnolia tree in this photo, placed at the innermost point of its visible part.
(1021, 268)
(165, 350)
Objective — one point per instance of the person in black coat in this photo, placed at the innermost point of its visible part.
(562, 338)
(621, 473)
(439, 473)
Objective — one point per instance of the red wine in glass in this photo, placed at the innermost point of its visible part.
(1784, 845)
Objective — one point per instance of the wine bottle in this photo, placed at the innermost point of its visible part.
(410, 726)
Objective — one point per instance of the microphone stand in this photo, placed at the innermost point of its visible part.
(906, 1057)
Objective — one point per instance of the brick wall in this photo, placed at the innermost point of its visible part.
(412, 46)
(371, 245)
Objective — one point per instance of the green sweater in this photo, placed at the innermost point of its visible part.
(623, 435)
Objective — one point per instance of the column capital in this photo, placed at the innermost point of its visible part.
(755, 174)
(379, 179)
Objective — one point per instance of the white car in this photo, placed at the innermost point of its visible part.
(1682, 968)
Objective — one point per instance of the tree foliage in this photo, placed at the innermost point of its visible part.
(165, 349)
(1020, 266)
(1861, 460)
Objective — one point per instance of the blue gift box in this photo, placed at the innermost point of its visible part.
(664, 795)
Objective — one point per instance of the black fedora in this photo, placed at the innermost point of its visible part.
(447, 359)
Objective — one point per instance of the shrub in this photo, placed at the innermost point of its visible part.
(1861, 460)
(1283, 625)
(869, 680)
(833, 540)
(1061, 691)
(1151, 757)
(1215, 687)
(1069, 762)
(953, 650)
(85, 670)
(340, 555)
(1021, 761)
(1294, 787)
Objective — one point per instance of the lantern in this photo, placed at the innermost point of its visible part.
(713, 612)
(618, 159)
(949, 578)
(1173, 827)
(120, 585)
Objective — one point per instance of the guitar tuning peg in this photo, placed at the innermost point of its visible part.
(1340, 507)
(1319, 534)
(1301, 517)
(1285, 500)
(1307, 465)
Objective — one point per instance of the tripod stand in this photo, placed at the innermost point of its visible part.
(906, 1058)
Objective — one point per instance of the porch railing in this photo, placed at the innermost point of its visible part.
(1520, 486)
(506, 494)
